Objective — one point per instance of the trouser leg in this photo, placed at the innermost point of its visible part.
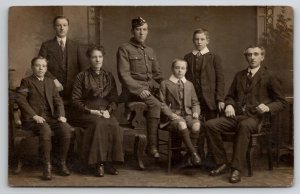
(243, 134)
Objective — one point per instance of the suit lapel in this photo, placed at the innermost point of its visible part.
(48, 90)
(257, 77)
(173, 90)
(192, 62)
(185, 92)
(244, 80)
(35, 82)
(206, 59)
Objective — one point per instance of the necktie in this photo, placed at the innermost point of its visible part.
(61, 45)
(249, 78)
(180, 88)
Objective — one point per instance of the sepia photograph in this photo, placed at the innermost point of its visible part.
(151, 96)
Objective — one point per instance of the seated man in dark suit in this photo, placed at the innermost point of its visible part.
(42, 111)
(253, 92)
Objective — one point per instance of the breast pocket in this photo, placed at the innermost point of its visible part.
(150, 63)
(137, 64)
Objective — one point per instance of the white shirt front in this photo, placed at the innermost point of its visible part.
(39, 78)
(254, 70)
(64, 39)
(175, 79)
(202, 52)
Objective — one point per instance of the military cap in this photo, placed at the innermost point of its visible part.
(137, 22)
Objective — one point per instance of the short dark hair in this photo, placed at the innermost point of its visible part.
(200, 31)
(178, 60)
(60, 17)
(94, 47)
(38, 58)
(263, 50)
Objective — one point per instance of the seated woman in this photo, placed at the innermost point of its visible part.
(94, 99)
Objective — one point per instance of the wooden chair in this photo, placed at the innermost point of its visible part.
(168, 144)
(134, 134)
(264, 130)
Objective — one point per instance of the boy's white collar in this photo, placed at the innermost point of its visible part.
(203, 51)
(175, 79)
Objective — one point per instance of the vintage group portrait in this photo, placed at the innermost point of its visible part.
(151, 96)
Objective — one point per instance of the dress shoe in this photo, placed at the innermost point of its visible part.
(187, 161)
(109, 169)
(47, 174)
(153, 152)
(195, 159)
(100, 170)
(64, 171)
(235, 176)
(220, 170)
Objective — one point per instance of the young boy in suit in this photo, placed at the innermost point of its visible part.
(43, 111)
(206, 73)
(181, 107)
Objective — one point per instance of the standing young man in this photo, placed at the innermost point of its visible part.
(62, 55)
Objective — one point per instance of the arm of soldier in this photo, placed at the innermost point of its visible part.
(123, 67)
(156, 71)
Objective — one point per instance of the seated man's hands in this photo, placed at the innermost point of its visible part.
(262, 108)
(229, 111)
(96, 112)
(62, 119)
(105, 114)
(144, 94)
(175, 116)
(58, 85)
(38, 119)
(221, 106)
(195, 115)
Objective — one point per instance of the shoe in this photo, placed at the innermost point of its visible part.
(220, 170)
(64, 171)
(47, 174)
(153, 152)
(187, 161)
(235, 176)
(109, 169)
(100, 170)
(195, 159)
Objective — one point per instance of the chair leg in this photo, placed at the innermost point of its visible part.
(249, 156)
(18, 168)
(139, 149)
(18, 153)
(270, 155)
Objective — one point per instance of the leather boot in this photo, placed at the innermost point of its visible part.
(65, 144)
(64, 171)
(152, 125)
(195, 159)
(46, 149)
(47, 173)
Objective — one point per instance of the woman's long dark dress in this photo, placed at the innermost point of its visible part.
(102, 139)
